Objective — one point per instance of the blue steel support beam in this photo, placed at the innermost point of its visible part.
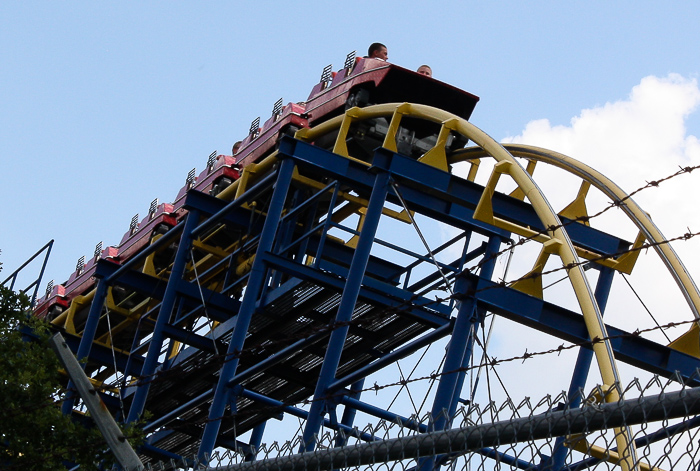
(350, 412)
(106, 356)
(219, 306)
(378, 293)
(585, 356)
(492, 248)
(506, 459)
(132, 279)
(390, 358)
(304, 415)
(88, 337)
(162, 454)
(129, 365)
(457, 265)
(383, 414)
(461, 341)
(346, 306)
(177, 412)
(569, 326)
(180, 426)
(459, 349)
(256, 280)
(301, 344)
(276, 358)
(464, 234)
(309, 223)
(284, 236)
(226, 212)
(255, 440)
(187, 337)
(440, 195)
(166, 309)
(327, 225)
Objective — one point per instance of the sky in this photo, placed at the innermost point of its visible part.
(105, 106)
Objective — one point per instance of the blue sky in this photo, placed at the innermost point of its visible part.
(105, 106)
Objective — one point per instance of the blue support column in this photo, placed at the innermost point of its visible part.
(491, 249)
(384, 414)
(302, 414)
(88, 337)
(461, 343)
(583, 366)
(284, 237)
(255, 441)
(302, 248)
(327, 225)
(164, 313)
(258, 274)
(350, 412)
(393, 357)
(459, 349)
(464, 258)
(346, 307)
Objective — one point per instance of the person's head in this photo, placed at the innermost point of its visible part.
(236, 147)
(425, 70)
(378, 51)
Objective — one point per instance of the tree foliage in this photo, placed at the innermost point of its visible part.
(34, 434)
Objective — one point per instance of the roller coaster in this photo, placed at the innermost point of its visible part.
(297, 277)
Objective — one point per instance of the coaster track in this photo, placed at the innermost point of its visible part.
(282, 294)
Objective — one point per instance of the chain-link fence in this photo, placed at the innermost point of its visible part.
(656, 420)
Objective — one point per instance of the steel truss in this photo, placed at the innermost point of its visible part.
(253, 309)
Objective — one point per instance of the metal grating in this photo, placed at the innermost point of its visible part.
(211, 160)
(350, 60)
(134, 224)
(327, 73)
(191, 178)
(153, 208)
(277, 108)
(254, 128)
(80, 265)
(98, 251)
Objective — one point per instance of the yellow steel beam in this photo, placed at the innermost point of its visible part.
(564, 249)
(640, 218)
(580, 444)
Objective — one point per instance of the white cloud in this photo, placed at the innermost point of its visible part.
(632, 141)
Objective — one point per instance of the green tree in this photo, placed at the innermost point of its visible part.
(34, 434)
